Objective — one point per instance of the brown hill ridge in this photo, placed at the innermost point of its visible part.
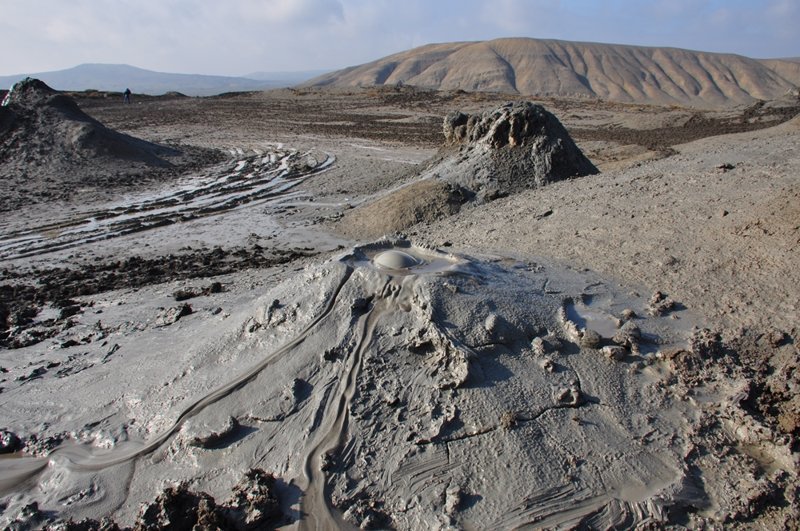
(542, 67)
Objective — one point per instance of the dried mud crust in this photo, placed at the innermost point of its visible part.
(699, 125)
(753, 431)
(39, 188)
(292, 112)
(414, 116)
(24, 294)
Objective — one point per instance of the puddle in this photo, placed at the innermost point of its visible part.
(603, 314)
(595, 319)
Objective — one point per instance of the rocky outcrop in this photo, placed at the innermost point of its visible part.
(534, 137)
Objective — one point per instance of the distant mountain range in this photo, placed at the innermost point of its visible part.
(538, 67)
(119, 77)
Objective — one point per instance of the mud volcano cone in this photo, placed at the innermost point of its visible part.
(56, 120)
(50, 148)
(398, 386)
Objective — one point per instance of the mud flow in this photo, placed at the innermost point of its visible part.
(431, 363)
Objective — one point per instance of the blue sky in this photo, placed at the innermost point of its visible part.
(235, 37)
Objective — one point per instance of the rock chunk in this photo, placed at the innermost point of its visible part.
(173, 315)
(660, 304)
(590, 339)
(254, 503)
(9, 442)
(179, 508)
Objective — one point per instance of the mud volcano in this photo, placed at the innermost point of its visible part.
(517, 146)
(49, 147)
(393, 386)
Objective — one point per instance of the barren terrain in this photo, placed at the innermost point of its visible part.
(235, 340)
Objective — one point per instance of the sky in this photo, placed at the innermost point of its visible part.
(236, 37)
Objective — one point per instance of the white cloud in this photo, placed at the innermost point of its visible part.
(292, 11)
(211, 36)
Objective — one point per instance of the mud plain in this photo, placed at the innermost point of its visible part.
(710, 220)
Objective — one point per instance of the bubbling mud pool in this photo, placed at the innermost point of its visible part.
(395, 260)
(399, 384)
(404, 259)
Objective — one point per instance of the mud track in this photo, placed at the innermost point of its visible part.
(260, 178)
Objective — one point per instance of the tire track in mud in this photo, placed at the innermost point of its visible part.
(259, 178)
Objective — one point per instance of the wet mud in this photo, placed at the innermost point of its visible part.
(456, 350)
(262, 178)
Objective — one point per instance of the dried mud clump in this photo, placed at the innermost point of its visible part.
(253, 505)
(423, 201)
(364, 513)
(172, 315)
(179, 508)
(9, 442)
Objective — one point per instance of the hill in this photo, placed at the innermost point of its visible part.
(116, 78)
(541, 67)
(788, 68)
(286, 79)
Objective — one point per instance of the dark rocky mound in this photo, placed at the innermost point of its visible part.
(253, 505)
(51, 149)
(516, 146)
